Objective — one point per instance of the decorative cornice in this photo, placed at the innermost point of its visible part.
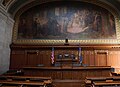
(4, 13)
(2, 10)
(98, 47)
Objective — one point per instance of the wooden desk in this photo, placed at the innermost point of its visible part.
(63, 74)
(77, 73)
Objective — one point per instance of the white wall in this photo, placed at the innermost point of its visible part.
(6, 25)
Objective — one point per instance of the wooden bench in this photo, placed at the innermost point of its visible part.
(102, 81)
(14, 73)
(25, 81)
(115, 73)
(108, 84)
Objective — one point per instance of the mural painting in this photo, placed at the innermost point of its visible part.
(77, 21)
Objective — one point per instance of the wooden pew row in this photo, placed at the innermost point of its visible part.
(115, 73)
(102, 81)
(21, 81)
(108, 84)
(14, 73)
(25, 77)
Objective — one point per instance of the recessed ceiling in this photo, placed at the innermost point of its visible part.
(17, 4)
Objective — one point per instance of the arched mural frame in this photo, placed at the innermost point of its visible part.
(54, 41)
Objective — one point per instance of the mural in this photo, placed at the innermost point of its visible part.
(77, 21)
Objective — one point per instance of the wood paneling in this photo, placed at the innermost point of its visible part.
(96, 58)
(18, 59)
(68, 83)
(32, 57)
(101, 57)
(93, 55)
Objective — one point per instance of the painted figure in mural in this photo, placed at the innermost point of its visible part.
(53, 26)
(74, 24)
(39, 25)
(22, 31)
(25, 28)
(111, 24)
(77, 23)
(97, 22)
(35, 26)
(62, 19)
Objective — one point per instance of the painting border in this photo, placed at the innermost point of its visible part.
(57, 42)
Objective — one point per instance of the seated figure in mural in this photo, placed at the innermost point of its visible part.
(77, 23)
(53, 26)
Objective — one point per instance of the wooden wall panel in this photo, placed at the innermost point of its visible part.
(92, 58)
(101, 57)
(88, 57)
(41, 57)
(32, 57)
(68, 83)
(114, 59)
(113, 55)
(47, 58)
(85, 57)
(66, 75)
(18, 59)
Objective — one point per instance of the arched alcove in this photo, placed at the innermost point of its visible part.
(17, 8)
(106, 32)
